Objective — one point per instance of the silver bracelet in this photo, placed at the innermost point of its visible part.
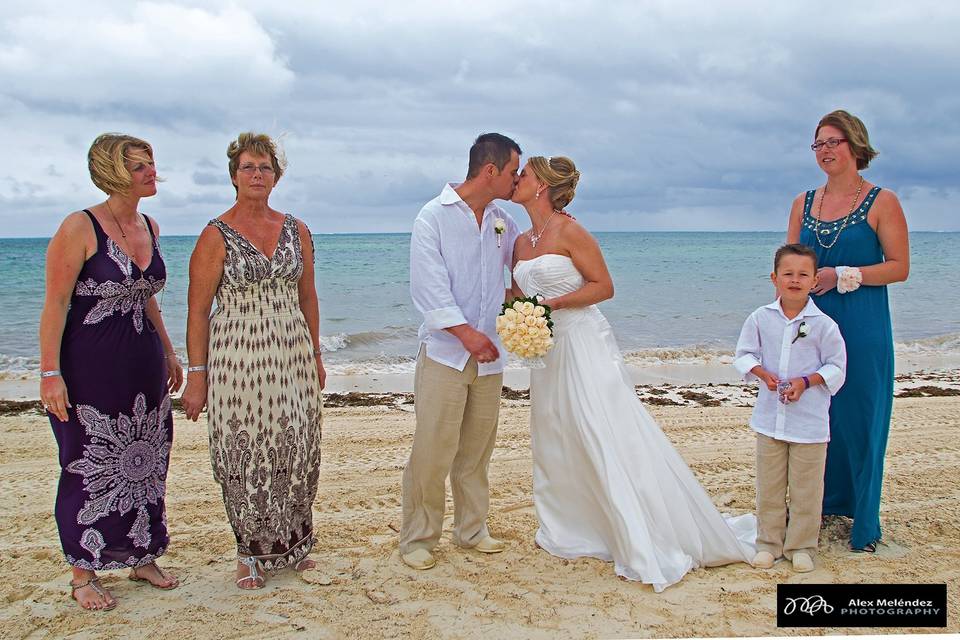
(53, 373)
(196, 368)
(317, 352)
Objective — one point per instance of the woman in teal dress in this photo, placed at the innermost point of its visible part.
(858, 230)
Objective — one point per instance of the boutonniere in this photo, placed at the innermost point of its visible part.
(802, 332)
(499, 226)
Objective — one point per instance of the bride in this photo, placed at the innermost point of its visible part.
(607, 483)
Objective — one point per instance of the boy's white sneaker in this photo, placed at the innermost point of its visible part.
(763, 560)
(802, 562)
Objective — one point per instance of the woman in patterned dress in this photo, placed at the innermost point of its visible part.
(107, 367)
(256, 365)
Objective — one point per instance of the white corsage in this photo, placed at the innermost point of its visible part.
(848, 279)
(802, 331)
(499, 226)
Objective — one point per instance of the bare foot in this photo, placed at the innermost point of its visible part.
(305, 564)
(156, 576)
(89, 593)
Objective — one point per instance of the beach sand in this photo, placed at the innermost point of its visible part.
(361, 589)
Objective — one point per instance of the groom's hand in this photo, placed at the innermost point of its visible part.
(476, 343)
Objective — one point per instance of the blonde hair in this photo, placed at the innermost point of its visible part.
(259, 144)
(854, 131)
(561, 176)
(107, 159)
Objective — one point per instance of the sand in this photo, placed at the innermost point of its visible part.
(360, 589)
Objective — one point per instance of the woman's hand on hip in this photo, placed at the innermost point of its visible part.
(53, 395)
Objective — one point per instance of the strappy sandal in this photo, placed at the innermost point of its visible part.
(256, 580)
(870, 547)
(93, 583)
(163, 574)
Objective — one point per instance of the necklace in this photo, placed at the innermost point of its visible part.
(846, 218)
(535, 237)
(117, 222)
(126, 249)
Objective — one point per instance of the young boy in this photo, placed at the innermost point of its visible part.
(797, 353)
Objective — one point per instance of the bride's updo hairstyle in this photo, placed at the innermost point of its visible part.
(561, 176)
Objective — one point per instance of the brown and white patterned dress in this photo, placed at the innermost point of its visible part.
(263, 400)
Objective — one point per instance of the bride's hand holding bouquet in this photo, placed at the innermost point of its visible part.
(525, 328)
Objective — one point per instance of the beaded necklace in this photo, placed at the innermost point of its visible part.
(846, 218)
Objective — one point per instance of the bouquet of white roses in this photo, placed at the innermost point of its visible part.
(524, 326)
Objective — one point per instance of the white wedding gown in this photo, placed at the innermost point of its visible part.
(607, 483)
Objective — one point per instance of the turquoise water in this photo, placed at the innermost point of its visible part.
(679, 296)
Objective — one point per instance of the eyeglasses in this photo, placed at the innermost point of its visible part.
(829, 143)
(250, 169)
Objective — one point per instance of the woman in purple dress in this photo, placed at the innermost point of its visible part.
(107, 367)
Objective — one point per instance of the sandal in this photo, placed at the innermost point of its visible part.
(870, 547)
(256, 580)
(163, 574)
(93, 583)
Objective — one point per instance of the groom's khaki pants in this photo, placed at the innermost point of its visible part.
(800, 467)
(457, 413)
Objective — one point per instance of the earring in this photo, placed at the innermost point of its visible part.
(538, 194)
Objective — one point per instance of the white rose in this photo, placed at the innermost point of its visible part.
(518, 306)
(530, 321)
(539, 311)
(533, 332)
(525, 341)
(544, 332)
(528, 308)
(509, 327)
(499, 225)
(510, 314)
(541, 322)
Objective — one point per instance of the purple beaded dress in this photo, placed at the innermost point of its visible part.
(115, 447)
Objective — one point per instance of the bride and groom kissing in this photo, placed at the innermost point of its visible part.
(607, 482)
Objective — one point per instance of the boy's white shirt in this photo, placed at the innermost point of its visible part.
(767, 339)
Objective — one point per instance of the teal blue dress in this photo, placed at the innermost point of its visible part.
(860, 412)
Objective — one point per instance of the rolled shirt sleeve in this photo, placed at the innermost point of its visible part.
(833, 350)
(747, 354)
(429, 280)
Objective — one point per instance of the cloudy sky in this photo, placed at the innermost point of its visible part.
(680, 115)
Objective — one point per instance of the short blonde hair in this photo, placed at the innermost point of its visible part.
(854, 131)
(561, 176)
(107, 159)
(259, 144)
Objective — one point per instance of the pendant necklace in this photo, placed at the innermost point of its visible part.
(535, 237)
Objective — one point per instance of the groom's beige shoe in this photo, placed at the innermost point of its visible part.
(802, 562)
(763, 560)
(419, 559)
(490, 545)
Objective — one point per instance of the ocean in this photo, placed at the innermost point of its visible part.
(680, 297)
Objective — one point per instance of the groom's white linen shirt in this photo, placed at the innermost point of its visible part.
(457, 275)
(767, 339)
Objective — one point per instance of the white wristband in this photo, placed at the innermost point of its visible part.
(848, 279)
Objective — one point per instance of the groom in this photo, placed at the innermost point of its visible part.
(457, 259)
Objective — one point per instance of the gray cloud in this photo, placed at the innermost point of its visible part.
(680, 115)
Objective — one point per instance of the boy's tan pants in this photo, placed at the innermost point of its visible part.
(800, 467)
